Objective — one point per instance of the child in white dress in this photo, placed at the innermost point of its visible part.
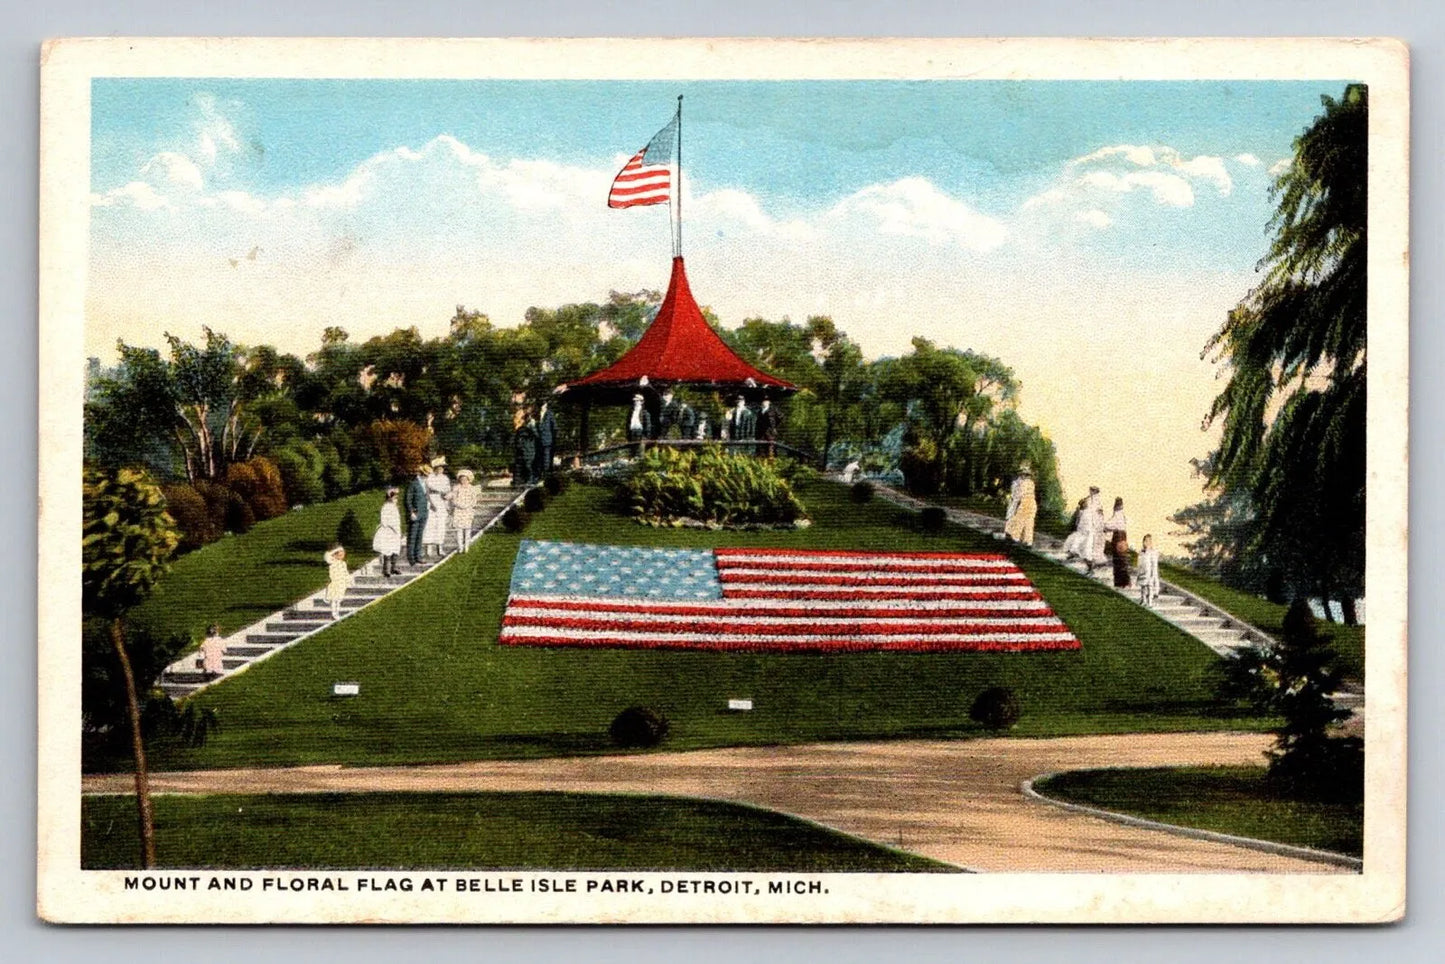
(1148, 573)
(338, 581)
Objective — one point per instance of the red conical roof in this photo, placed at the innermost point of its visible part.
(679, 348)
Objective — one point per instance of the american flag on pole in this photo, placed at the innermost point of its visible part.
(646, 178)
(775, 600)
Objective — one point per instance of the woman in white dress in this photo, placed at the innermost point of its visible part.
(1022, 509)
(387, 541)
(464, 507)
(438, 487)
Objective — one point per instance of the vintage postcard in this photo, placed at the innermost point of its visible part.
(748, 481)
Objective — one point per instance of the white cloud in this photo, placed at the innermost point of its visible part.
(1204, 168)
(1094, 217)
(1281, 165)
(1138, 155)
(137, 194)
(1168, 189)
(915, 207)
(1248, 160)
(214, 131)
(174, 168)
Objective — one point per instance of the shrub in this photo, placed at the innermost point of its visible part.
(239, 517)
(299, 476)
(996, 708)
(349, 532)
(932, 518)
(710, 486)
(259, 483)
(534, 500)
(398, 447)
(193, 517)
(515, 519)
(336, 478)
(861, 493)
(637, 727)
(555, 484)
(218, 499)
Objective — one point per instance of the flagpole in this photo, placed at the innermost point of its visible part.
(678, 252)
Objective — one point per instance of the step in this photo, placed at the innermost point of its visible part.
(268, 639)
(296, 627)
(184, 679)
(391, 582)
(178, 691)
(373, 591)
(249, 652)
(235, 662)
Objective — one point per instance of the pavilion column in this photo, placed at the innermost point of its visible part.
(583, 434)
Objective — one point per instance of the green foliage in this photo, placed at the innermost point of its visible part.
(534, 500)
(515, 519)
(1294, 681)
(555, 484)
(301, 465)
(710, 486)
(996, 708)
(127, 540)
(1293, 409)
(861, 493)
(105, 738)
(349, 532)
(638, 727)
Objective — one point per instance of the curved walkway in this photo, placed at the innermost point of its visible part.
(958, 802)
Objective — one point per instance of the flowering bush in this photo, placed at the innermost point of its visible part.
(709, 486)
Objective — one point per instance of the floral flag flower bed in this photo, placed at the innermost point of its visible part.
(775, 600)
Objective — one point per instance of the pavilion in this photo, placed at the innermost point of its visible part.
(678, 348)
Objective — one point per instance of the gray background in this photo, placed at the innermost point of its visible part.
(25, 23)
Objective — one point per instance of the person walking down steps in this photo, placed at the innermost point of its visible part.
(1022, 509)
(1148, 573)
(338, 581)
(387, 541)
(1117, 547)
(213, 652)
(438, 488)
(464, 507)
(416, 513)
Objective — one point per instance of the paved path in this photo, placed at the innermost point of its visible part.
(312, 613)
(958, 802)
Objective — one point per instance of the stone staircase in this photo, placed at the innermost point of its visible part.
(1206, 622)
(312, 613)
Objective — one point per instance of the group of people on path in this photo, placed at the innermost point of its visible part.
(534, 436)
(1097, 540)
(432, 506)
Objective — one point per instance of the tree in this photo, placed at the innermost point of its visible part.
(1293, 408)
(127, 539)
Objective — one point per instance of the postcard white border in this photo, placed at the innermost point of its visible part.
(68, 894)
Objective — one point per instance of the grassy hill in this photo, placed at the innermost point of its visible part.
(436, 687)
(240, 579)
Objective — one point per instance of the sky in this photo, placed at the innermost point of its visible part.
(1092, 235)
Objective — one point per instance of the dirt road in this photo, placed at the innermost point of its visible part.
(954, 801)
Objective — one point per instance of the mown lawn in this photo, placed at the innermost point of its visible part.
(436, 687)
(475, 831)
(240, 579)
(1348, 641)
(1232, 800)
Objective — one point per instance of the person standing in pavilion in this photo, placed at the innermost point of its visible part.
(741, 425)
(670, 415)
(1022, 509)
(417, 506)
(639, 423)
(769, 421)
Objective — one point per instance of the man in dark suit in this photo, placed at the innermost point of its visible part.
(417, 509)
(686, 421)
(670, 415)
(546, 439)
(524, 451)
(639, 423)
(769, 421)
(742, 425)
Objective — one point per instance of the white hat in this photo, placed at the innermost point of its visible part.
(467, 474)
(439, 461)
(638, 398)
